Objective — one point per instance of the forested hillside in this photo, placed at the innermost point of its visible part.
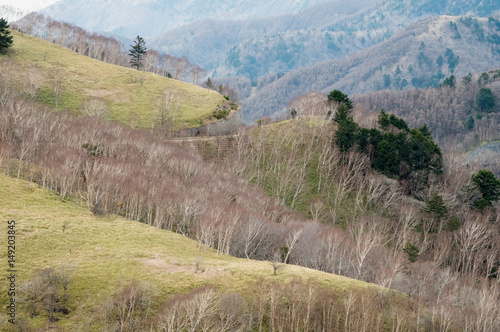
(109, 169)
(421, 56)
(155, 17)
(366, 226)
(82, 272)
(272, 219)
(462, 112)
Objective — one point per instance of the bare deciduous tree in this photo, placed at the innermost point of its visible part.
(95, 107)
(33, 81)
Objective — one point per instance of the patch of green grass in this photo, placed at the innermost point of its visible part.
(127, 98)
(103, 254)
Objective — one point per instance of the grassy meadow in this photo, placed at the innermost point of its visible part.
(103, 254)
(128, 93)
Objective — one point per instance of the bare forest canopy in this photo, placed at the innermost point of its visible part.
(106, 48)
(339, 188)
(172, 283)
(435, 249)
(461, 113)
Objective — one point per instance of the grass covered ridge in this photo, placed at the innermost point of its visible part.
(103, 254)
(128, 100)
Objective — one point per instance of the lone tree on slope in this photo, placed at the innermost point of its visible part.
(5, 37)
(136, 52)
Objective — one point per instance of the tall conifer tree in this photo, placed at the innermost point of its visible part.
(136, 52)
(6, 39)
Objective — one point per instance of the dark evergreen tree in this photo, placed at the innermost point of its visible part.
(489, 186)
(436, 211)
(435, 206)
(347, 130)
(383, 120)
(470, 123)
(345, 136)
(453, 224)
(485, 100)
(422, 152)
(136, 52)
(412, 251)
(6, 39)
(342, 113)
(386, 156)
(398, 122)
(425, 131)
(449, 81)
(340, 97)
(209, 84)
(363, 139)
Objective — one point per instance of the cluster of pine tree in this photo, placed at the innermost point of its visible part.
(395, 150)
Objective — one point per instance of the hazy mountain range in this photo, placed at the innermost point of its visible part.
(255, 38)
(152, 17)
(256, 47)
(421, 55)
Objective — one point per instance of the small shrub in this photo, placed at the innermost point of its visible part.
(220, 114)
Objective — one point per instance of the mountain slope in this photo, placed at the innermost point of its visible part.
(102, 255)
(410, 58)
(255, 48)
(253, 39)
(40, 69)
(216, 44)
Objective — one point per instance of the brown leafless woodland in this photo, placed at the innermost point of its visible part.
(110, 168)
(106, 49)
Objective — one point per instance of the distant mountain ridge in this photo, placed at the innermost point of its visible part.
(255, 38)
(257, 47)
(306, 45)
(216, 44)
(422, 55)
(152, 17)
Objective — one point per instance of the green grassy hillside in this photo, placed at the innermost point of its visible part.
(129, 94)
(102, 255)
